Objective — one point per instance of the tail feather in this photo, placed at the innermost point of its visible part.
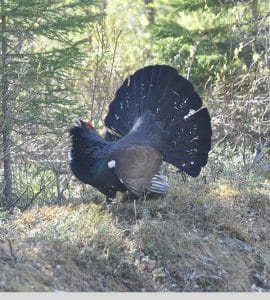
(159, 184)
(186, 129)
(190, 142)
(147, 89)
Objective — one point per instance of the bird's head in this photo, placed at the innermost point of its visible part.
(83, 124)
(82, 128)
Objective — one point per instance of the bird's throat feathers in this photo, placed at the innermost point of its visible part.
(89, 152)
(86, 144)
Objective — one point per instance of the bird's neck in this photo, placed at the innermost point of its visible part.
(89, 153)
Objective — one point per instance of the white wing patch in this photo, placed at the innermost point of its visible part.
(111, 164)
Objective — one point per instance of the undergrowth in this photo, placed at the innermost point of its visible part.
(207, 234)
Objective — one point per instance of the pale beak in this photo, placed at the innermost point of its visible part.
(78, 122)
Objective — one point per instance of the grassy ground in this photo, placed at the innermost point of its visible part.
(208, 234)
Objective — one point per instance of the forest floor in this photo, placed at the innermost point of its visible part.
(203, 236)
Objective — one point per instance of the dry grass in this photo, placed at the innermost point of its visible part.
(200, 237)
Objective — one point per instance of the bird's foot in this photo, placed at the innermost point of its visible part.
(109, 202)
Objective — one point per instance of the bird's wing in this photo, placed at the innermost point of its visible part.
(135, 166)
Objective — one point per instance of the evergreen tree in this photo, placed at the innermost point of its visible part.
(41, 41)
(202, 35)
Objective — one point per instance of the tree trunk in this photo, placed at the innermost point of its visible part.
(150, 11)
(254, 14)
(254, 9)
(6, 117)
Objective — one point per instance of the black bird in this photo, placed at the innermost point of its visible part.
(155, 116)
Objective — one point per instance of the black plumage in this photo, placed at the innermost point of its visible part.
(156, 115)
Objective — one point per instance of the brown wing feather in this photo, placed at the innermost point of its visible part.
(135, 167)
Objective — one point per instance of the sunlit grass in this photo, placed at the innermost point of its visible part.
(207, 234)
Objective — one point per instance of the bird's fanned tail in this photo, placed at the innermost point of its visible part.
(186, 129)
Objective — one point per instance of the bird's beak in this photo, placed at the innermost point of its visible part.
(78, 122)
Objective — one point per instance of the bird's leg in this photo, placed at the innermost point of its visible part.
(135, 211)
(108, 201)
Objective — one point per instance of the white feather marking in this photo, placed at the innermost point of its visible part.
(159, 184)
(111, 164)
(137, 124)
(190, 113)
(70, 156)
